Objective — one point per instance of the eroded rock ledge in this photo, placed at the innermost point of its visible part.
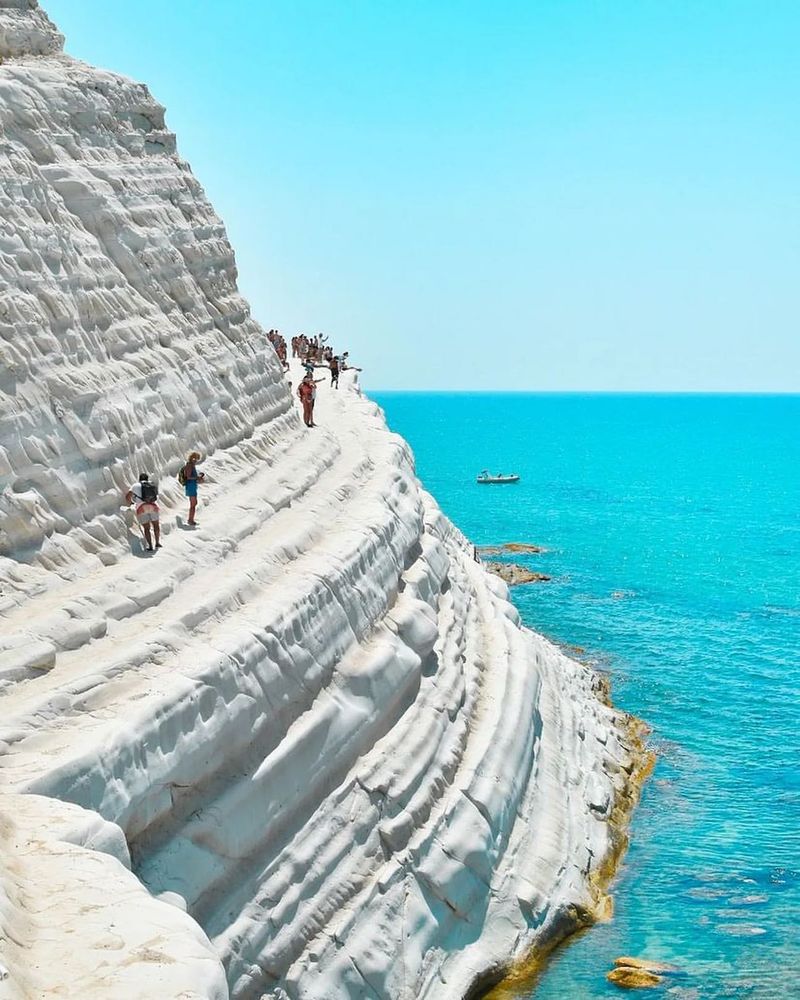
(307, 750)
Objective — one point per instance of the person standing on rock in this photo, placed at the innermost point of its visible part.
(144, 495)
(307, 391)
(190, 477)
(334, 367)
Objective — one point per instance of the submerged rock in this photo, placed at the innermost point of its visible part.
(633, 978)
(705, 893)
(637, 973)
(755, 899)
(626, 961)
(513, 573)
(520, 547)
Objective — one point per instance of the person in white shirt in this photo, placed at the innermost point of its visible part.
(144, 495)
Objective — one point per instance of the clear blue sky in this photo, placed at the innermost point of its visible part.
(552, 194)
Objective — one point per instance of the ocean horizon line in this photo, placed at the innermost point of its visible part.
(672, 393)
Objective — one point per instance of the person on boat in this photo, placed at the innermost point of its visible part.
(190, 478)
(144, 495)
(307, 391)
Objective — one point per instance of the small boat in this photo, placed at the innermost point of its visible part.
(486, 478)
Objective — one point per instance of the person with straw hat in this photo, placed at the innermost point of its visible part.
(190, 477)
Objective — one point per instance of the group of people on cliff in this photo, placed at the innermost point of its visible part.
(307, 390)
(314, 353)
(144, 497)
(313, 348)
(279, 343)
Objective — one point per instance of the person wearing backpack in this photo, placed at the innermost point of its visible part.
(189, 477)
(144, 495)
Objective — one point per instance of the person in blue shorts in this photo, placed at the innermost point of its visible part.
(191, 477)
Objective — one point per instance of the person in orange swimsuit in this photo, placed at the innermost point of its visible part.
(307, 391)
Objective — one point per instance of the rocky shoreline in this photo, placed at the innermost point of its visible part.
(520, 976)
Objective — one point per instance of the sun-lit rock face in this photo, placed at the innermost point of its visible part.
(25, 29)
(304, 750)
(123, 339)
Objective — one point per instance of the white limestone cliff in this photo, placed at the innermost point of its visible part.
(304, 751)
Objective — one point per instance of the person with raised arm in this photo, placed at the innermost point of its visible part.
(189, 478)
(307, 391)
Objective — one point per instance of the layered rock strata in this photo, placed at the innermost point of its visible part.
(306, 750)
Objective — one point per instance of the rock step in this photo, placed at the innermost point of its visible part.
(60, 615)
(162, 657)
(293, 923)
(97, 546)
(186, 610)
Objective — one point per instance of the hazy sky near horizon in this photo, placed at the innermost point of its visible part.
(543, 195)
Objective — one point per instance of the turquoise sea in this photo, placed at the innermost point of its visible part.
(672, 528)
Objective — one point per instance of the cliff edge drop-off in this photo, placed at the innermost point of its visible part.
(306, 750)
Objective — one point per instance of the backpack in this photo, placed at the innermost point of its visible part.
(182, 475)
(149, 492)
